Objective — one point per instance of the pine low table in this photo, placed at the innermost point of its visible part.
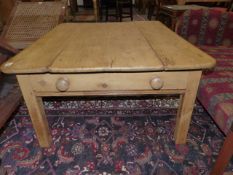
(109, 59)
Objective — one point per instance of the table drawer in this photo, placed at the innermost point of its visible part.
(108, 81)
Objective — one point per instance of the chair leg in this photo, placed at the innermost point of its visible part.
(106, 14)
(120, 12)
(131, 11)
(150, 13)
(73, 6)
(224, 156)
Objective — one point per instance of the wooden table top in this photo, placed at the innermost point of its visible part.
(109, 47)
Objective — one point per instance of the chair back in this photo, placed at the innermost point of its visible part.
(206, 27)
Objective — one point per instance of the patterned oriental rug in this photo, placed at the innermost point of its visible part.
(111, 136)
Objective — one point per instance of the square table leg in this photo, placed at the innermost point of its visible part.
(36, 111)
(185, 110)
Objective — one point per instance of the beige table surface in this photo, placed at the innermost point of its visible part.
(102, 47)
(134, 58)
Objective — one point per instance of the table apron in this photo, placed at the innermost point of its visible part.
(107, 83)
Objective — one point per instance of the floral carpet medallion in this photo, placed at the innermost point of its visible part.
(110, 137)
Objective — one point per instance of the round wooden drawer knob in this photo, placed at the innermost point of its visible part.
(156, 83)
(62, 84)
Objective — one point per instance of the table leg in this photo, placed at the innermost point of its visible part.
(185, 110)
(36, 111)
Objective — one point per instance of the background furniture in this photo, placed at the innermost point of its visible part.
(154, 7)
(73, 6)
(110, 7)
(6, 7)
(87, 15)
(169, 11)
(173, 12)
(125, 9)
(118, 9)
(31, 20)
(212, 31)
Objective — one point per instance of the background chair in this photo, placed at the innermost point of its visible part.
(125, 9)
(31, 20)
(110, 7)
(87, 15)
(118, 9)
(73, 6)
(154, 7)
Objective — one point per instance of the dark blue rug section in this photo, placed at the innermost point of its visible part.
(111, 137)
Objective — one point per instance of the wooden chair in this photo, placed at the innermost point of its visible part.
(154, 7)
(73, 6)
(225, 155)
(83, 16)
(110, 8)
(125, 9)
(31, 20)
(118, 9)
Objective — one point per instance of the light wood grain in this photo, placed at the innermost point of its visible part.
(106, 47)
(111, 93)
(109, 47)
(108, 81)
(184, 114)
(174, 52)
(36, 111)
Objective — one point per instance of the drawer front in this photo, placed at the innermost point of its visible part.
(108, 81)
